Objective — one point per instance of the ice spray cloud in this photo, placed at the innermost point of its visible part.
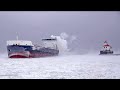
(62, 42)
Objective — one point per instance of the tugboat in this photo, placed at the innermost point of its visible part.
(25, 49)
(107, 49)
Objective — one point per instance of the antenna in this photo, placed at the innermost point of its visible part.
(17, 36)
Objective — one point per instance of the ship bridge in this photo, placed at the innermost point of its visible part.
(50, 43)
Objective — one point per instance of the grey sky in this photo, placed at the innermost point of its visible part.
(90, 27)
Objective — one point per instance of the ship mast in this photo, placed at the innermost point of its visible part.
(17, 36)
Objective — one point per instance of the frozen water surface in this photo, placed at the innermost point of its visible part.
(90, 66)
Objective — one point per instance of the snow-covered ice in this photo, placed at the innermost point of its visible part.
(89, 66)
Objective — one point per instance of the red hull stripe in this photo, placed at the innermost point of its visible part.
(31, 56)
(18, 56)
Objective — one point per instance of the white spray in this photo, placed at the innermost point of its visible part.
(61, 42)
(72, 38)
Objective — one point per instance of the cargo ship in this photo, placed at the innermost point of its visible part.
(106, 49)
(26, 49)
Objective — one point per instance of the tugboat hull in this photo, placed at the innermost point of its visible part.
(106, 52)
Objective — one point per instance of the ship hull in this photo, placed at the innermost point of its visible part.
(18, 55)
(43, 52)
(33, 55)
(37, 55)
(20, 52)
